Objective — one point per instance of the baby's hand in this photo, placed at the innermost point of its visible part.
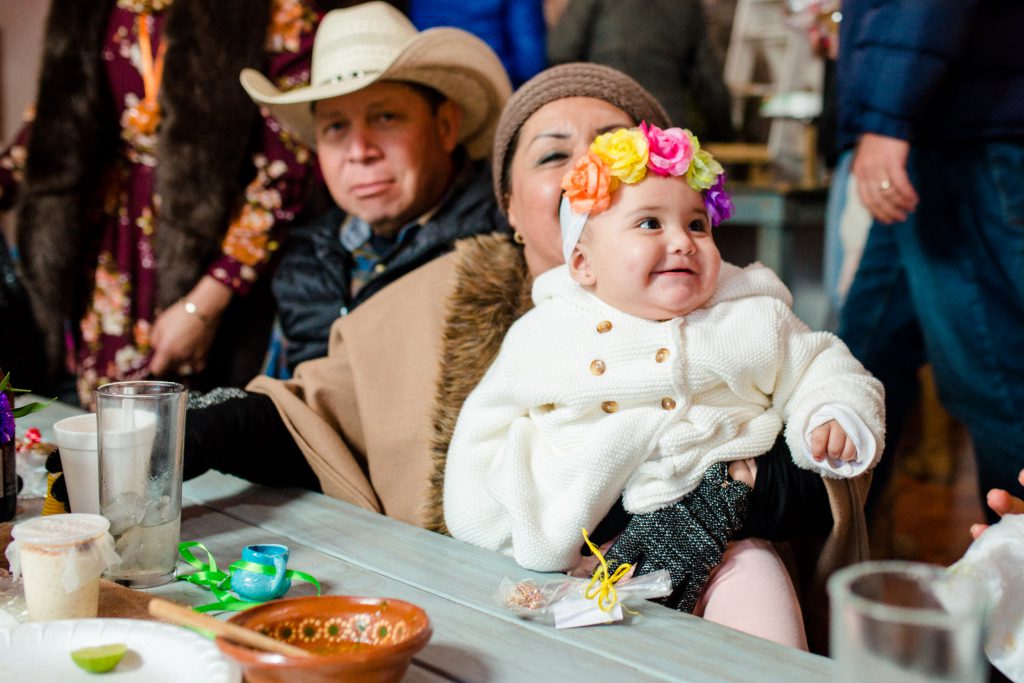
(830, 440)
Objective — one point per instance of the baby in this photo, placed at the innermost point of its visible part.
(646, 362)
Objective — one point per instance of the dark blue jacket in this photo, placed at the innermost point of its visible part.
(312, 283)
(513, 28)
(932, 71)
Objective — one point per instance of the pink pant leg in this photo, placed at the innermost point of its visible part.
(750, 568)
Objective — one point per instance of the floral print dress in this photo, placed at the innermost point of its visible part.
(111, 341)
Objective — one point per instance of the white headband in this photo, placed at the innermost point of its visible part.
(572, 227)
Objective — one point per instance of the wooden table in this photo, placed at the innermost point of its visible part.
(356, 552)
(352, 551)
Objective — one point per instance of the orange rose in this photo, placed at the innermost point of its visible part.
(589, 185)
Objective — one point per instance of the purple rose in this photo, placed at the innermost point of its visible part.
(717, 201)
(6, 419)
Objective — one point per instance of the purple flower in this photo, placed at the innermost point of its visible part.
(6, 419)
(717, 201)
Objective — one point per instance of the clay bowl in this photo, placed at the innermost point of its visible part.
(369, 640)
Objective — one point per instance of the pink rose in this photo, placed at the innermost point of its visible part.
(670, 150)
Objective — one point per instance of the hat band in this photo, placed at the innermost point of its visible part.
(338, 78)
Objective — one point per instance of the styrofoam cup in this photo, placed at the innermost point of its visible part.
(76, 438)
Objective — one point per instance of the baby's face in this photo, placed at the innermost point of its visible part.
(651, 253)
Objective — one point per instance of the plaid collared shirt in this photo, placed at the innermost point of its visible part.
(371, 252)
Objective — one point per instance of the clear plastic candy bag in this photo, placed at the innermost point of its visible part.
(545, 602)
(12, 601)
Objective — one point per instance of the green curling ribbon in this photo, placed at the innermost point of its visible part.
(218, 582)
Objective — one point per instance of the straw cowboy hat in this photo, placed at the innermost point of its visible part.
(372, 42)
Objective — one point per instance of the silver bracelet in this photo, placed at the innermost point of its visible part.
(197, 399)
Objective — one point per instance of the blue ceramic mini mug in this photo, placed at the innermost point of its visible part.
(256, 586)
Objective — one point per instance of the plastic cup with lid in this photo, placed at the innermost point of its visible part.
(60, 558)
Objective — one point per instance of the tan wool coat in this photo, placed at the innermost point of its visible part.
(374, 418)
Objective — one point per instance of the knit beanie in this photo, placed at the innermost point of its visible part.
(579, 79)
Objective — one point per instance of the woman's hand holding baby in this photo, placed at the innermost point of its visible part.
(830, 441)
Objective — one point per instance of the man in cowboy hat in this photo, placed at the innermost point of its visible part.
(402, 122)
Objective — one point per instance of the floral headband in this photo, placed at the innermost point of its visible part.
(625, 155)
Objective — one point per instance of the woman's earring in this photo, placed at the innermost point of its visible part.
(517, 237)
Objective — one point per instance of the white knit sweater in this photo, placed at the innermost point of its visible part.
(585, 402)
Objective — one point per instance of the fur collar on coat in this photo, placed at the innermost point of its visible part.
(492, 291)
(208, 123)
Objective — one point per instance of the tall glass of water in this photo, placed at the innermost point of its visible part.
(907, 622)
(141, 428)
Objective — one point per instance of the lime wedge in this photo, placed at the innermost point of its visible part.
(99, 659)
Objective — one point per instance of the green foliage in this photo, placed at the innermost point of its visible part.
(28, 408)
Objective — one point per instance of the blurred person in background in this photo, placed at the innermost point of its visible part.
(514, 29)
(663, 44)
(932, 103)
(20, 347)
(846, 219)
(151, 195)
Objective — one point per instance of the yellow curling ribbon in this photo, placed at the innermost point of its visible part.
(602, 584)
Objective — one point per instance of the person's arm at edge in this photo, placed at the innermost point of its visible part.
(913, 61)
(1002, 503)
(245, 436)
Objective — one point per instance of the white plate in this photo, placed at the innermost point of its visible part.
(36, 652)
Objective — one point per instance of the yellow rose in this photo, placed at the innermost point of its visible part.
(625, 151)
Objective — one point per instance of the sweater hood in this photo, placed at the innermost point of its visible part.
(736, 283)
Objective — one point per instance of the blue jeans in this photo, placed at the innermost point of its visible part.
(947, 286)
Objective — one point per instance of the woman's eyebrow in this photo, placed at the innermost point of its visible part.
(557, 135)
(563, 135)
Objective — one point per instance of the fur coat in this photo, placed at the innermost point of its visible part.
(203, 147)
